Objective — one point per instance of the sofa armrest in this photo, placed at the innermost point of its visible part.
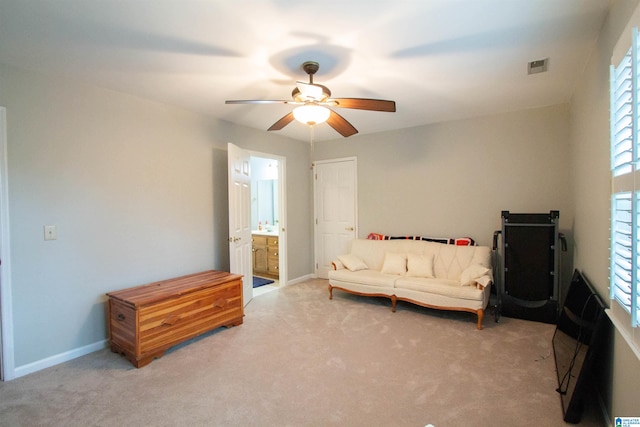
(337, 265)
(483, 281)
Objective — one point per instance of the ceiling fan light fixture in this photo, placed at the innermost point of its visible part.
(311, 114)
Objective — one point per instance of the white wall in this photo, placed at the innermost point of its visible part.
(589, 118)
(453, 179)
(138, 192)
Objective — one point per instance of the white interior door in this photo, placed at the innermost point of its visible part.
(335, 189)
(240, 218)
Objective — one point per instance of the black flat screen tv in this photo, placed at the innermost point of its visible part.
(575, 343)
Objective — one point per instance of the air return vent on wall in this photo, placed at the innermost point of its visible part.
(538, 66)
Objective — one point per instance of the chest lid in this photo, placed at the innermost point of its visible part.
(172, 288)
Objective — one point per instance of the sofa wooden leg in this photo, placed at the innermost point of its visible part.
(393, 303)
(330, 292)
(480, 316)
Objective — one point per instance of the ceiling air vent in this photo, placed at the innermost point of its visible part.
(538, 66)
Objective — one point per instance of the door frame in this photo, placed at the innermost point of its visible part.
(282, 211)
(316, 238)
(7, 362)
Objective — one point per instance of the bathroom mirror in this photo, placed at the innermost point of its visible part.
(266, 204)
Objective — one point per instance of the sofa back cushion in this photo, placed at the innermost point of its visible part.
(449, 261)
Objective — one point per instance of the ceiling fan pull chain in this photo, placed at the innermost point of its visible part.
(311, 149)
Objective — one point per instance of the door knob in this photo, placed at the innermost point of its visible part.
(349, 228)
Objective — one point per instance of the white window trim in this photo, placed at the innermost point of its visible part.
(621, 316)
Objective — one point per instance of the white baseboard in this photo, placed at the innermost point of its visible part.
(301, 279)
(30, 368)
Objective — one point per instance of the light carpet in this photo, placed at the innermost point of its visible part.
(301, 359)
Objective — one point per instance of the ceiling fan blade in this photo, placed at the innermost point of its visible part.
(341, 125)
(282, 122)
(259, 101)
(364, 104)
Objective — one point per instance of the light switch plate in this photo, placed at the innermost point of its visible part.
(50, 232)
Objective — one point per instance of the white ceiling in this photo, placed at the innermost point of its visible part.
(439, 60)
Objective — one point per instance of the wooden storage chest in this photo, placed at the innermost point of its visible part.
(144, 321)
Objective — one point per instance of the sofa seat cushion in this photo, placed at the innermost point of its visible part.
(364, 277)
(449, 288)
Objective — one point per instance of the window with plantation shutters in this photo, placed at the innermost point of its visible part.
(625, 197)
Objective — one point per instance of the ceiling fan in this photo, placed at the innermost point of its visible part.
(313, 101)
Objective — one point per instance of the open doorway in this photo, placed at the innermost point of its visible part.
(268, 222)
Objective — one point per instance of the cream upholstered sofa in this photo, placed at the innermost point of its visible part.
(435, 275)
